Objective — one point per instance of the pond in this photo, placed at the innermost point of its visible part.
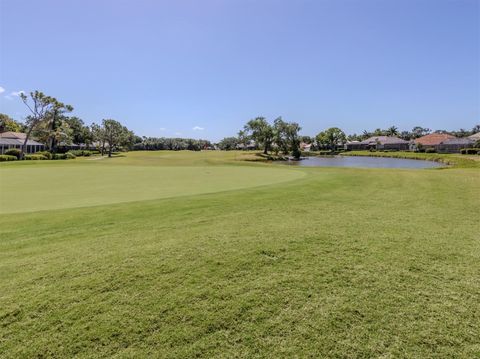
(366, 162)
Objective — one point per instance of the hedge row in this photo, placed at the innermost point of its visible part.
(5, 158)
(11, 155)
(470, 151)
(84, 153)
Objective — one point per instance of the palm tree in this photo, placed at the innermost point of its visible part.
(366, 134)
(392, 131)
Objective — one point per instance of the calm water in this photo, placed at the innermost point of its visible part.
(369, 162)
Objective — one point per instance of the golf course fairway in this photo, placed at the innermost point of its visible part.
(80, 186)
(181, 255)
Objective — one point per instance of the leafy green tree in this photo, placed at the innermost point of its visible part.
(98, 135)
(461, 133)
(307, 139)
(286, 136)
(419, 131)
(392, 131)
(228, 143)
(53, 132)
(405, 135)
(243, 138)
(366, 134)
(116, 135)
(354, 137)
(55, 129)
(331, 138)
(9, 124)
(162, 143)
(80, 133)
(42, 108)
(58, 129)
(261, 132)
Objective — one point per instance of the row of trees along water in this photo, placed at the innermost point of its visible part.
(283, 137)
(49, 122)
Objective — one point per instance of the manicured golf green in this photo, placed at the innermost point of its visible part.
(263, 261)
(33, 188)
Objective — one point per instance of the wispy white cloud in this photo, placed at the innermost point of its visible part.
(2, 90)
(12, 94)
(178, 133)
(198, 128)
(162, 129)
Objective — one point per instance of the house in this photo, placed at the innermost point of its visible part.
(379, 143)
(475, 137)
(432, 140)
(445, 143)
(250, 145)
(454, 145)
(354, 145)
(10, 140)
(305, 147)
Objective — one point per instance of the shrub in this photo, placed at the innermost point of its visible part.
(469, 151)
(430, 150)
(13, 152)
(35, 157)
(76, 153)
(70, 156)
(296, 152)
(5, 158)
(79, 153)
(60, 156)
(47, 154)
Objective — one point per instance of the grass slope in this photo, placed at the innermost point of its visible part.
(33, 188)
(338, 263)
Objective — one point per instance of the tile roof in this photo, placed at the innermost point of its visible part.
(18, 142)
(383, 140)
(457, 141)
(433, 139)
(16, 138)
(10, 134)
(475, 136)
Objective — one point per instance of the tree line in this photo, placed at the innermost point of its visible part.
(172, 144)
(279, 137)
(284, 136)
(49, 122)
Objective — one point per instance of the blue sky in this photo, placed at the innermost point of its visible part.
(203, 68)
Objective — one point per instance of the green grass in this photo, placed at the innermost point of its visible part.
(456, 160)
(74, 184)
(331, 262)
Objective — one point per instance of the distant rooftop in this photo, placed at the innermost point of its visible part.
(10, 138)
(457, 141)
(433, 139)
(11, 134)
(475, 136)
(383, 140)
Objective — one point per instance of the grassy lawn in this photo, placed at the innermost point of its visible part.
(181, 254)
(96, 181)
